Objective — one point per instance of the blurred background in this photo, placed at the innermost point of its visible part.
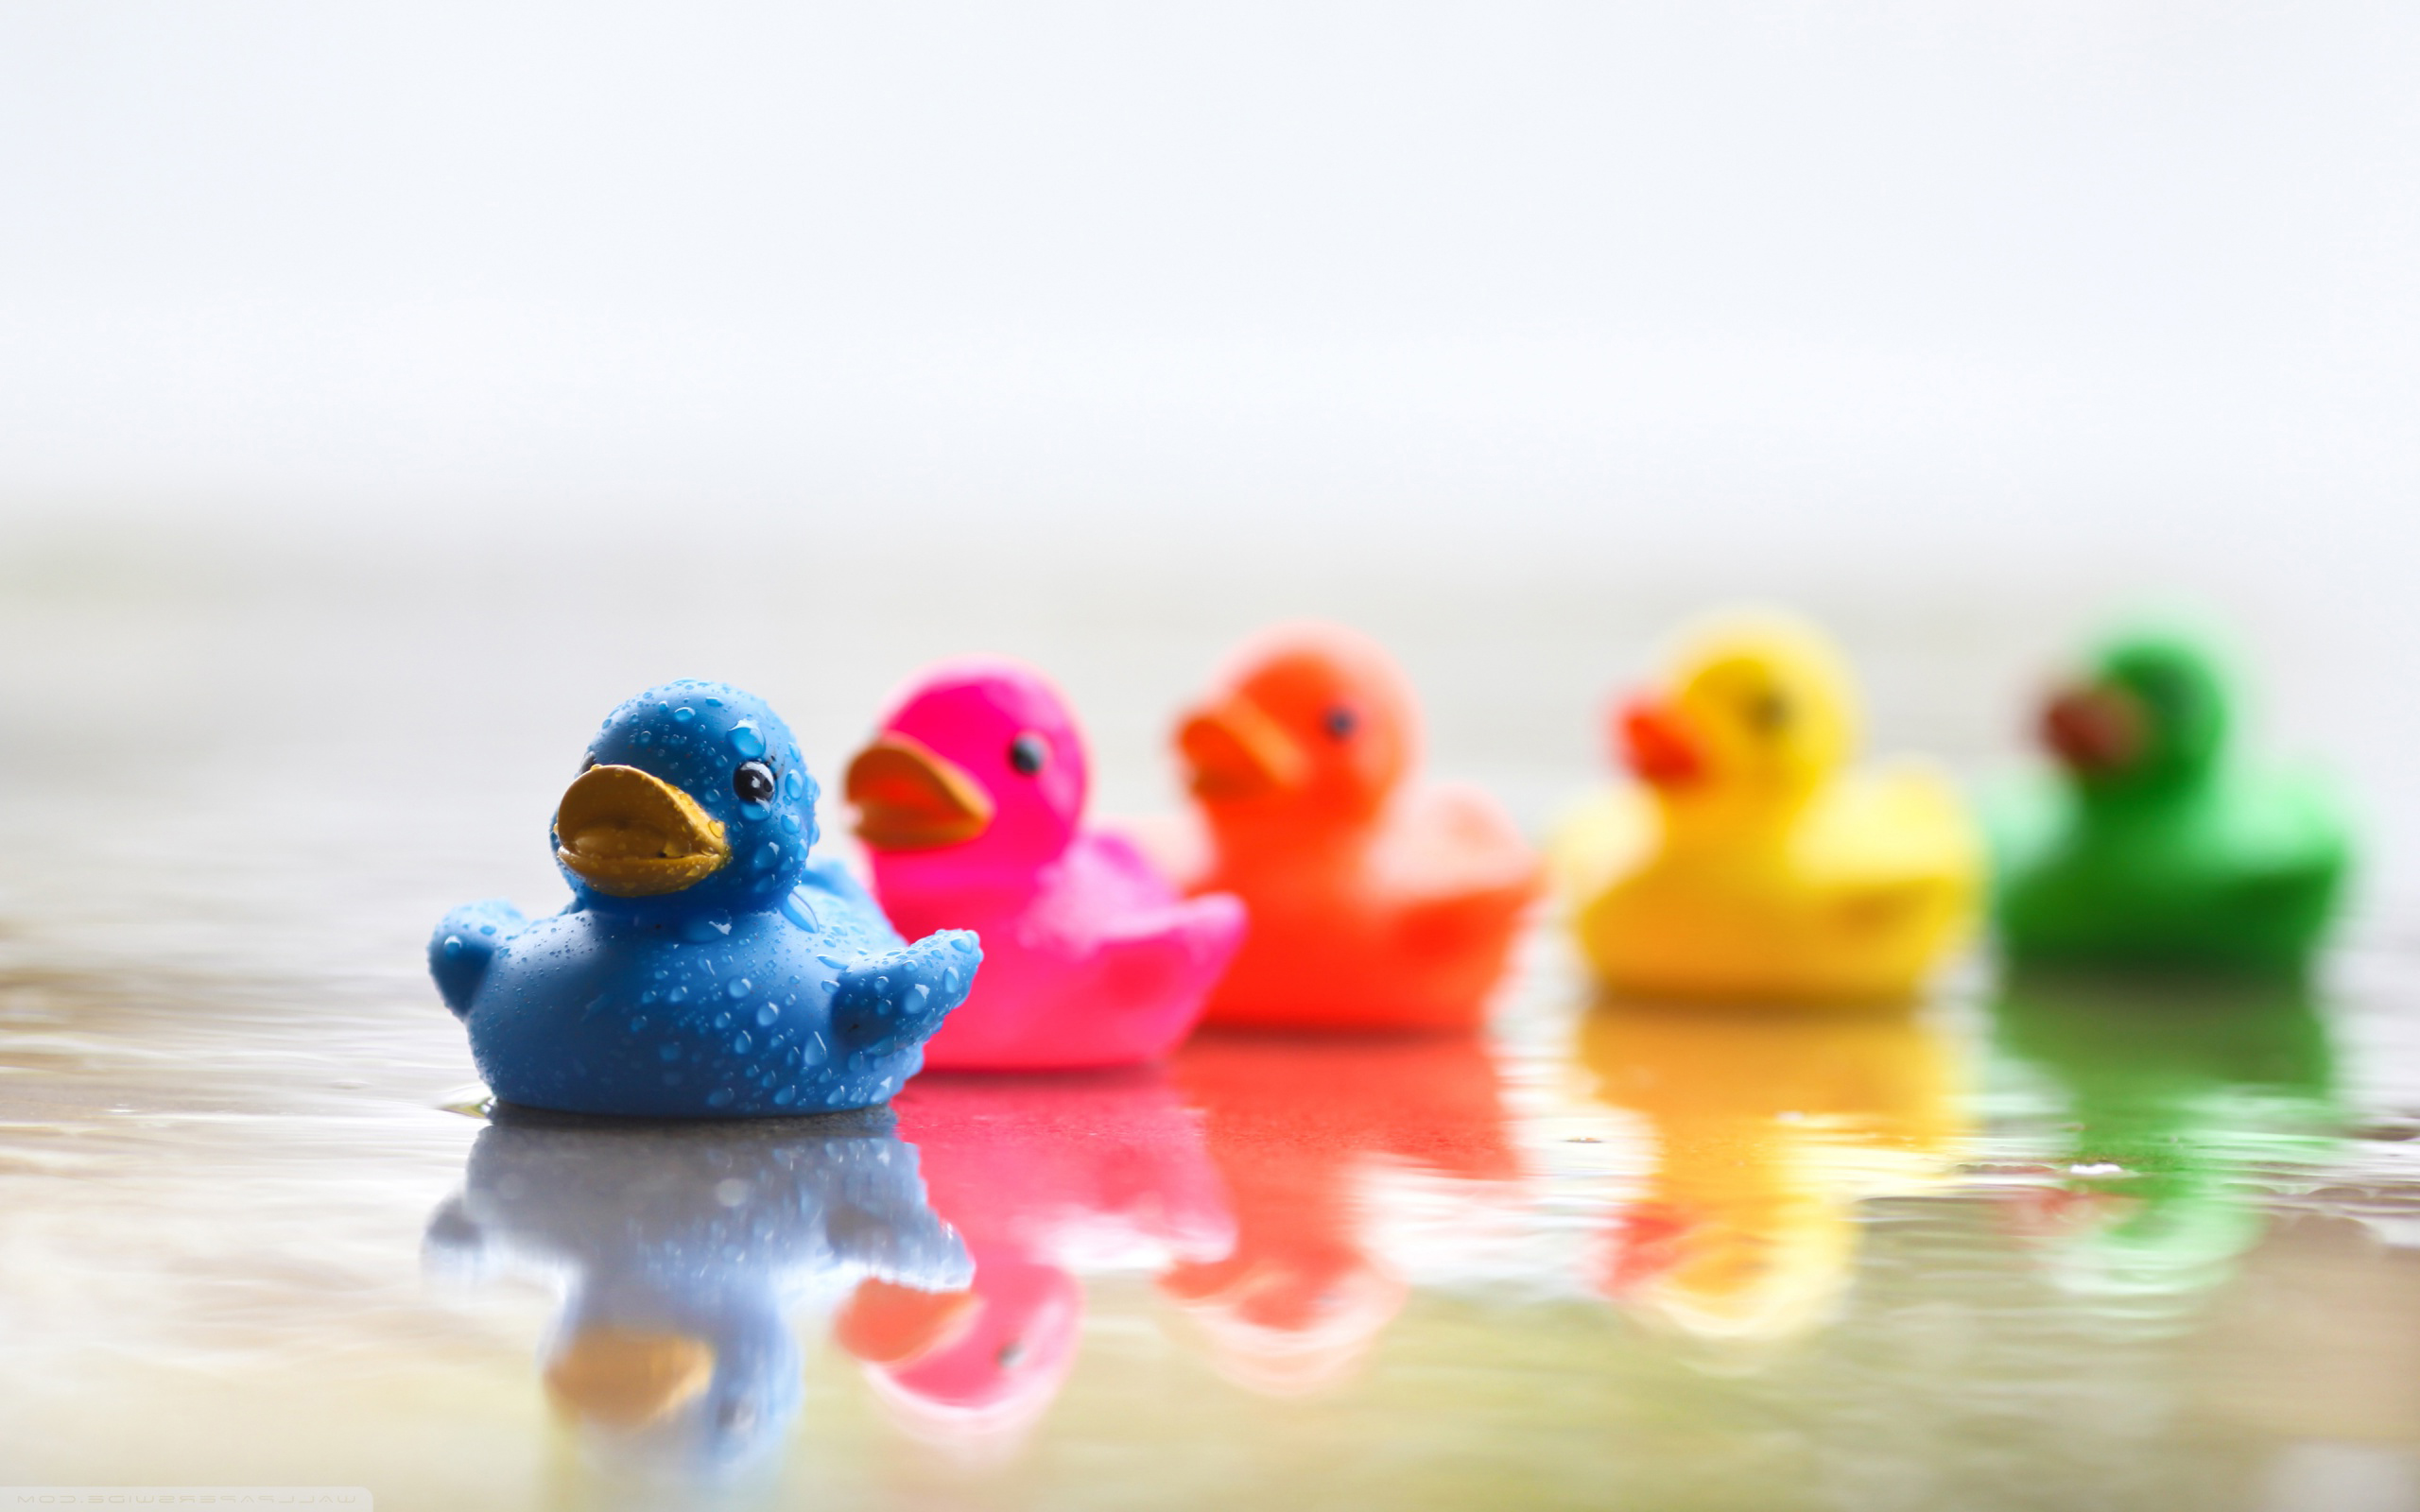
(446, 367)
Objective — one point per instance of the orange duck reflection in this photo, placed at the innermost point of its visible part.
(1042, 1177)
(1770, 1127)
(1299, 1128)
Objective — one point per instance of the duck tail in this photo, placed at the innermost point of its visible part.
(465, 941)
(895, 1000)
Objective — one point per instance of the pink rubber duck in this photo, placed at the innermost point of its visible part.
(969, 801)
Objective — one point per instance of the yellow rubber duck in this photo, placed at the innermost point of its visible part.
(1747, 862)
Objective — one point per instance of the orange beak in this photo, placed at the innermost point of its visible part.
(885, 1324)
(1658, 745)
(2095, 730)
(909, 797)
(1234, 751)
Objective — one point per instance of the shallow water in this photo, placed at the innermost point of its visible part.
(2045, 1245)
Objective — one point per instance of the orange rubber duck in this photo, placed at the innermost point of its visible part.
(1299, 1128)
(1373, 902)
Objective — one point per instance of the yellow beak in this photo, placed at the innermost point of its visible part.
(631, 834)
(911, 798)
(628, 1378)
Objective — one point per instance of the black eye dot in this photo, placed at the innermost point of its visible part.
(1767, 713)
(1339, 722)
(1028, 754)
(753, 782)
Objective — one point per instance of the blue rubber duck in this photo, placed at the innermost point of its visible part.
(705, 968)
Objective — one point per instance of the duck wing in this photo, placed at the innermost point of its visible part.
(897, 999)
(465, 943)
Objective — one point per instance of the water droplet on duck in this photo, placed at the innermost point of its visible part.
(768, 855)
(683, 715)
(766, 1015)
(740, 987)
(746, 741)
(453, 945)
(721, 1097)
(678, 994)
(741, 1043)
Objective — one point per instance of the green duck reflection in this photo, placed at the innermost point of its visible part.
(2176, 1088)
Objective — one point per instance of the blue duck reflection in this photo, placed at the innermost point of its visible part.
(2177, 1089)
(680, 1247)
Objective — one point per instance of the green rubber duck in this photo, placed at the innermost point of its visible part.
(2150, 845)
(2172, 1099)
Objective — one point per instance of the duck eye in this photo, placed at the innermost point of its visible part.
(1767, 713)
(753, 782)
(1339, 722)
(1028, 754)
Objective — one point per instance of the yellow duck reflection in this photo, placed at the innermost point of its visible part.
(1771, 1125)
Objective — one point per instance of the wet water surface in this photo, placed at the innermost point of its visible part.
(2059, 1243)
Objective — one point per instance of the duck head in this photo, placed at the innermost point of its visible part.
(1312, 723)
(2149, 715)
(691, 794)
(1759, 708)
(981, 766)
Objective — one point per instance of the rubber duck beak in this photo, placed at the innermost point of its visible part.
(1659, 745)
(1236, 750)
(892, 1326)
(631, 834)
(628, 1378)
(911, 798)
(2096, 731)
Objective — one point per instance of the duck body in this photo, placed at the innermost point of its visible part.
(1747, 864)
(2150, 846)
(705, 968)
(1374, 903)
(970, 802)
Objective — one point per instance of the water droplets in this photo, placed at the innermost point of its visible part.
(747, 740)
(740, 987)
(766, 1015)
